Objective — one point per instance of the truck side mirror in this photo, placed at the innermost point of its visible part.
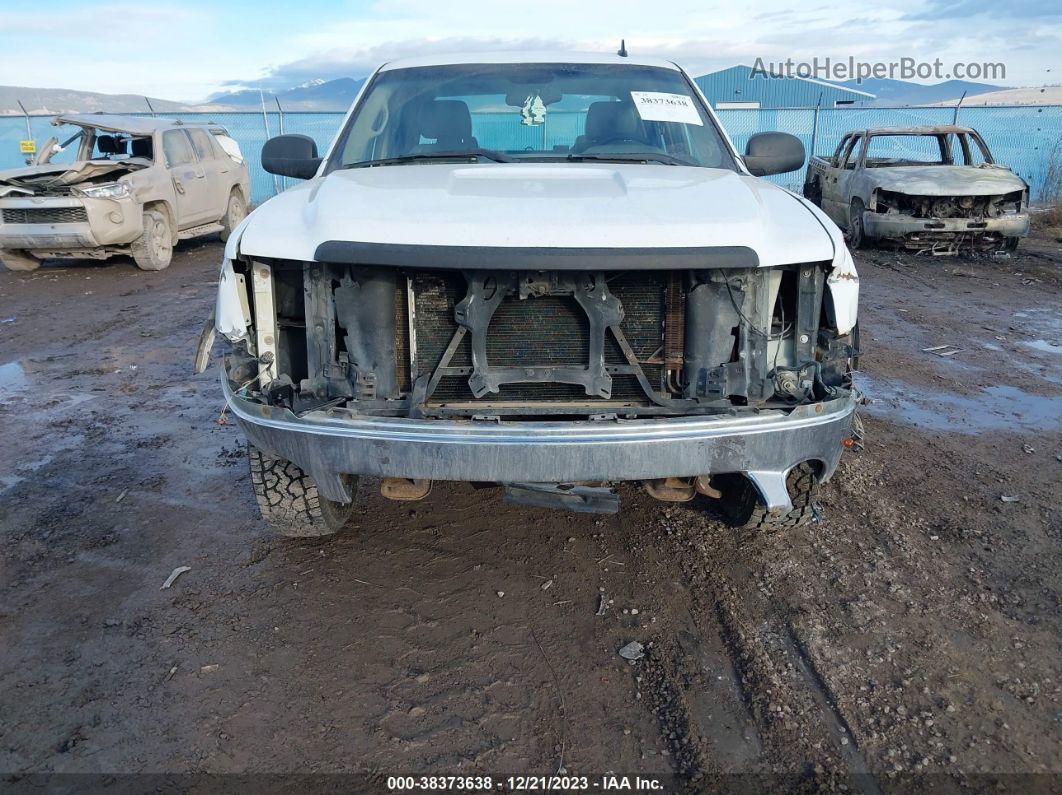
(773, 153)
(291, 156)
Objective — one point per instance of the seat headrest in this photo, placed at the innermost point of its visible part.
(608, 120)
(110, 145)
(141, 147)
(446, 120)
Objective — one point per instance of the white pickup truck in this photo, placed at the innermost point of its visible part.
(550, 272)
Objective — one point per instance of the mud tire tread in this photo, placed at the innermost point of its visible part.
(228, 223)
(289, 501)
(743, 510)
(146, 256)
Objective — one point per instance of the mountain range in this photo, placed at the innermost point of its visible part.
(336, 95)
(45, 101)
(313, 95)
(900, 92)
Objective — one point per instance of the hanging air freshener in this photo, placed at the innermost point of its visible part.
(533, 112)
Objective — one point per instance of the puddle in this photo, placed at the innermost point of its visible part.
(1042, 321)
(1043, 346)
(9, 481)
(12, 379)
(996, 408)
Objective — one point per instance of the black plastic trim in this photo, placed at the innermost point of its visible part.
(348, 252)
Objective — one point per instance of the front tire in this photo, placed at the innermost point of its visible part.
(289, 501)
(813, 192)
(153, 250)
(741, 506)
(19, 261)
(234, 213)
(857, 236)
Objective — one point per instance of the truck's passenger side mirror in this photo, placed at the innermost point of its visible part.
(773, 153)
(291, 156)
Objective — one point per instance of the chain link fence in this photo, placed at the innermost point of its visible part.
(1028, 138)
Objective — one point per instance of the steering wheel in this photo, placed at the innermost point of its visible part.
(620, 139)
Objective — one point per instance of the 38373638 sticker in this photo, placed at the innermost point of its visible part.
(659, 106)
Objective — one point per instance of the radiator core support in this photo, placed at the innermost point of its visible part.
(500, 343)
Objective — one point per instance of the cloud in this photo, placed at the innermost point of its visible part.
(191, 48)
(359, 62)
(355, 62)
(708, 37)
(964, 9)
(128, 24)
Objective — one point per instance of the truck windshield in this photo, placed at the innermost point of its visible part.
(531, 113)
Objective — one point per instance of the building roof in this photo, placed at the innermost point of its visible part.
(526, 56)
(135, 125)
(809, 80)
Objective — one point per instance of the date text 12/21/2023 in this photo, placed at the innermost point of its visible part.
(605, 783)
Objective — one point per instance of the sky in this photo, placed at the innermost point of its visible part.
(191, 49)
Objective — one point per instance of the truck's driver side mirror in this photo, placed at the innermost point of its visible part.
(291, 156)
(773, 153)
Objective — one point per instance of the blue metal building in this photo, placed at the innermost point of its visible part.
(738, 87)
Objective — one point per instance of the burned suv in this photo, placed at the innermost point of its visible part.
(547, 273)
(134, 185)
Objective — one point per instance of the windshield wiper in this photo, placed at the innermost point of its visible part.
(466, 154)
(631, 157)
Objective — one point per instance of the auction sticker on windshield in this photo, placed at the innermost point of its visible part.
(658, 106)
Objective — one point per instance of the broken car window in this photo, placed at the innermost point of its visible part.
(836, 160)
(974, 150)
(851, 154)
(120, 146)
(229, 146)
(905, 150)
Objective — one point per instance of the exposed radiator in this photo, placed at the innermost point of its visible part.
(548, 330)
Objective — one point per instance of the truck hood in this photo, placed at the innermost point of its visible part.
(52, 174)
(987, 180)
(539, 206)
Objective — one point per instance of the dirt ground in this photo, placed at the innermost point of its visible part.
(910, 639)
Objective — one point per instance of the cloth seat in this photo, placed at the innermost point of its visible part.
(449, 123)
(610, 121)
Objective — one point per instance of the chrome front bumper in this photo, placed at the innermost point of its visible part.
(764, 446)
(895, 225)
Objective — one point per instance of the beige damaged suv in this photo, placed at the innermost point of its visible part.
(135, 186)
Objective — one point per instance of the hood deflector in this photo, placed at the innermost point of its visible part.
(344, 252)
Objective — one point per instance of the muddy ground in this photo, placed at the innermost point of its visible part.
(909, 639)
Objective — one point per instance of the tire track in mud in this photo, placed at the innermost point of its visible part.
(840, 728)
(668, 701)
(686, 680)
(458, 678)
(742, 661)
